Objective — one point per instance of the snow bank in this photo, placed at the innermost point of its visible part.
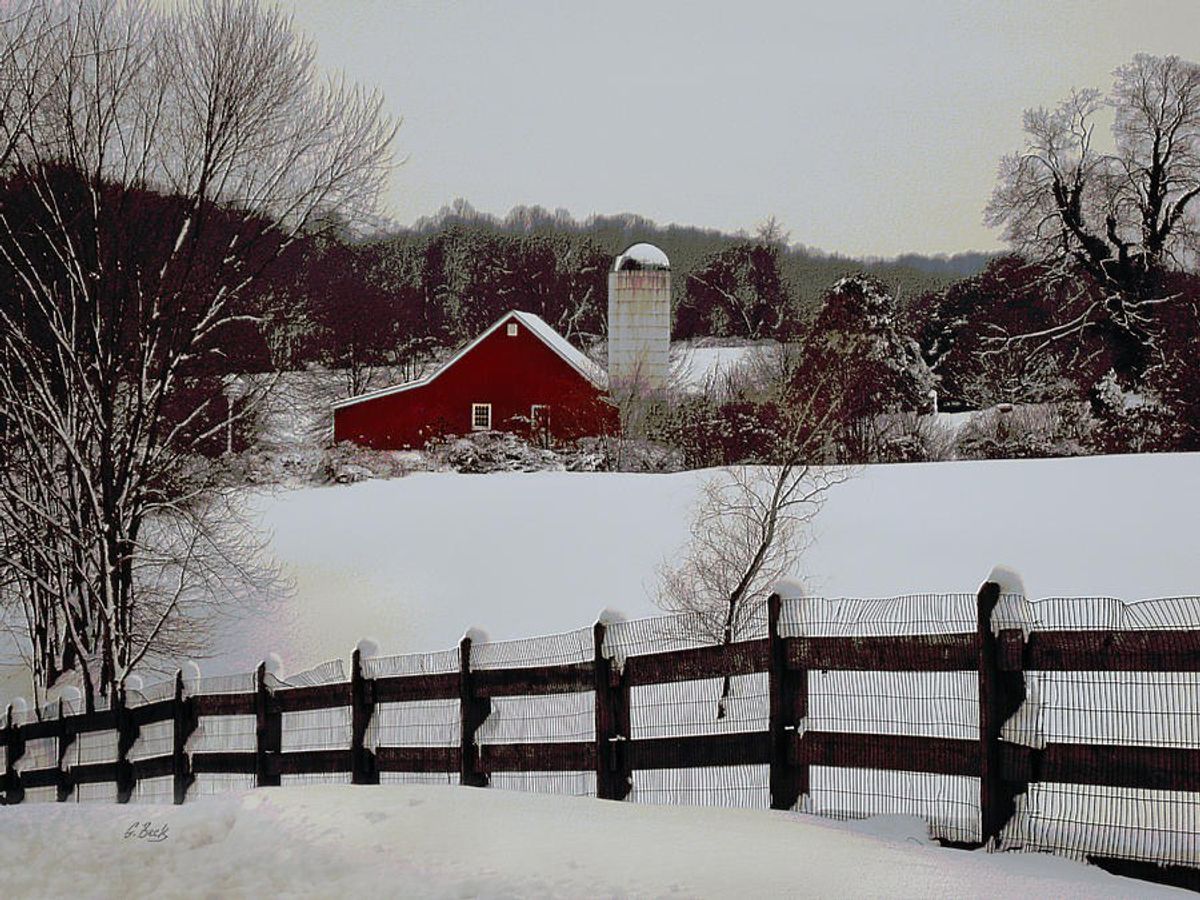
(414, 561)
(410, 840)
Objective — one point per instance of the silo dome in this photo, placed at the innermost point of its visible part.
(642, 257)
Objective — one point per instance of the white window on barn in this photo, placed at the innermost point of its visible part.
(481, 416)
(512, 329)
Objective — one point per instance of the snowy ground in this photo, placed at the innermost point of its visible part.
(419, 840)
(413, 562)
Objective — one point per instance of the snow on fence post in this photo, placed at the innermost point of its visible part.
(184, 723)
(1001, 693)
(613, 775)
(789, 706)
(474, 710)
(362, 707)
(268, 731)
(127, 735)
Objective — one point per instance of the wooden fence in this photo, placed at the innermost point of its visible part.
(788, 747)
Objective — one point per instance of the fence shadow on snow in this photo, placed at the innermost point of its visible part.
(1062, 725)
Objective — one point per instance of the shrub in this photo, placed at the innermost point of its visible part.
(346, 463)
(909, 437)
(1041, 430)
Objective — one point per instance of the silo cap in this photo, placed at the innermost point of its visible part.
(641, 257)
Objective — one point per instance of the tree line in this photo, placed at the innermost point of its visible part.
(1094, 315)
(394, 298)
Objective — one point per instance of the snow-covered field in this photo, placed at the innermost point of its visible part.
(419, 840)
(413, 562)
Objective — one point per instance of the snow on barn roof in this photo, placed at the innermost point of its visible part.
(574, 357)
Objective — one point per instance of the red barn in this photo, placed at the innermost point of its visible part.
(520, 375)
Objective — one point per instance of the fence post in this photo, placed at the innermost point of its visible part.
(613, 776)
(184, 724)
(268, 732)
(362, 707)
(1000, 694)
(14, 748)
(127, 735)
(473, 712)
(65, 738)
(789, 706)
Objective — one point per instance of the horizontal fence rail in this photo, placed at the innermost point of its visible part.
(1027, 737)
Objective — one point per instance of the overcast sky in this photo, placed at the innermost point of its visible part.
(867, 127)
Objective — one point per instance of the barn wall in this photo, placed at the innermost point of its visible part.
(511, 373)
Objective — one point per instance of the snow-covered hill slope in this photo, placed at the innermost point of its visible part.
(413, 562)
(419, 840)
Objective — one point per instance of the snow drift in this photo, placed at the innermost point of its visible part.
(330, 840)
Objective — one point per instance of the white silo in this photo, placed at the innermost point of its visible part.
(639, 321)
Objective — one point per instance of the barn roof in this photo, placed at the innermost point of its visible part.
(537, 326)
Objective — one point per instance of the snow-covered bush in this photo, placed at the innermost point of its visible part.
(709, 432)
(500, 451)
(1128, 422)
(616, 453)
(1008, 431)
(910, 437)
(346, 463)
(493, 451)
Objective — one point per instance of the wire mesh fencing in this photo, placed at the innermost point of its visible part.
(417, 723)
(847, 696)
(1066, 724)
(323, 728)
(155, 739)
(516, 719)
(1132, 716)
(704, 698)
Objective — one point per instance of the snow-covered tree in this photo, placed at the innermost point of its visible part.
(962, 331)
(859, 365)
(737, 291)
(154, 161)
(1122, 215)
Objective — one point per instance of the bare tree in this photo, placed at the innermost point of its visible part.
(158, 161)
(1121, 217)
(745, 536)
(747, 531)
(772, 233)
